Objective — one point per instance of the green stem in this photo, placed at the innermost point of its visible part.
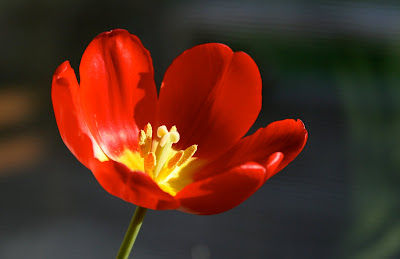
(131, 233)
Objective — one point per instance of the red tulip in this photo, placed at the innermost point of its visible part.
(196, 160)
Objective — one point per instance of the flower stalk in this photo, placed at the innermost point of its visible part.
(131, 233)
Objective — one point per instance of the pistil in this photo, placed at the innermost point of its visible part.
(164, 147)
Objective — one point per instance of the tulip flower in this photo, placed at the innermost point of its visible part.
(183, 149)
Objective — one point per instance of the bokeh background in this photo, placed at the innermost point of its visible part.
(333, 64)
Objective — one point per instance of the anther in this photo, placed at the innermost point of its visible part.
(145, 139)
(149, 131)
(150, 162)
(142, 137)
(187, 154)
(175, 159)
(142, 144)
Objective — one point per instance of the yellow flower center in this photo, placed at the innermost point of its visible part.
(159, 160)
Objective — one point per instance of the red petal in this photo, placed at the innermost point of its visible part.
(273, 147)
(73, 130)
(117, 90)
(222, 192)
(134, 187)
(212, 95)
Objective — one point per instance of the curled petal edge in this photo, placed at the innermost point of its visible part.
(286, 138)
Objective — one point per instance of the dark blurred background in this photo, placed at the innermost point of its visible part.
(333, 64)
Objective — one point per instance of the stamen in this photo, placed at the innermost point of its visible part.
(150, 162)
(188, 153)
(142, 137)
(145, 139)
(149, 131)
(142, 143)
(175, 159)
